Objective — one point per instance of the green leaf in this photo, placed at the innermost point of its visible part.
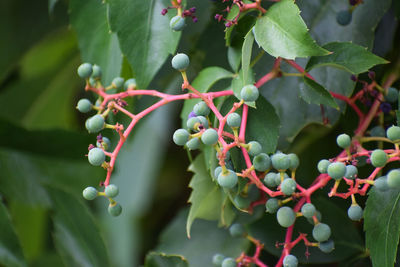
(347, 56)
(313, 92)
(281, 32)
(10, 249)
(76, 235)
(234, 58)
(155, 259)
(246, 54)
(97, 44)
(382, 226)
(146, 46)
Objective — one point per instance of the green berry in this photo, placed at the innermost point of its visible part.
(180, 62)
(96, 124)
(393, 179)
(378, 131)
(180, 137)
(327, 246)
(218, 259)
(393, 133)
(209, 137)
(242, 202)
(236, 230)
(290, 261)
(96, 73)
(392, 95)
(272, 205)
(228, 179)
(351, 172)
(217, 171)
(381, 184)
(344, 17)
(118, 83)
(85, 70)
(234, 120)
(355, 212)
(280, 161)
(203, 121)
(378, 158)
(278, 178)
(89, 193)
(343, 140)
(262, 162)
(270, 179)
(336, 170)
(308, 210)
(114, 209)
(177, 23)
(201, 109)
(321, 232)
(111, 190)
(193, 143)
(130, 84)
(323, 165)
(318, 215)
(193, 123)
(254, 148)
(84, 105)
(228, 262)
(96, 156)
(294, 161)
(285, 216)
(105, 143)
(249, 93)
(288, 186)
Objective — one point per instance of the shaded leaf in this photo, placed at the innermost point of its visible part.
(154, 259)
(234, 58)
(246, 54)
(313, 92)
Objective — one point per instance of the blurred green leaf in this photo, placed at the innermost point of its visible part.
(154, 259)
(234, 58)
(313, 92)
(246, 54)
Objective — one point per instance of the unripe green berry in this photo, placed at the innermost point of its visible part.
(193, 143)
(201, 109)
(272, 205)
(323, 165)
(318, 215)
(378, 158)
(294, 161)
(288, 186)
(343, 140)
(118, 82)
(278, 178)
(262, 162)
(378, 131)
(321, 232)
(351, 172)
(218, 259)
(105, 143)
(336, 170)
(280, 161)
(217, 171)
(327, 246)
(228, 262)
(234, 120)
(344, 17)
(393, 179)
(270, 179)
(96, 73)
(308, 210)
(290, 261)
(177, 23)
(236, 230)
(111, 190)
(254, 148)
(203, 121)
(209, 137)
(180, 62)
(285, 216)
(130, 84)
(180, 137)
(355, 212)
(249, 93)
(193, 123)
(84, 105)
(393, 133)
(381, 184)
(114, 209)
(89, 193)
(96, 124)
(392, 95)
(228, 179)
(96, 156)
(242, 202)
(85, 70)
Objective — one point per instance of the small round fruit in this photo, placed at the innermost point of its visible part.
(327, 246)
(130, 84)
(96, 73)
(355, 212)
(193, 123)
(290, 261)
(209, 137)
(381, 184)
(234, 120)
(254, 148)
(249, 93)
(262, 162)
(85, 70)
(242, 202)
(378, 158)
(336, 170)
(111, 190)
(218, 259)
(84, 105)
(236, 230)
(280, 161)
(180, 137)
(193, 143)
(89, 193)
(105, 143)
(201, 109)
(308, 210)
(393, 133)
(393, 179)
(344, 17)
(343, 140)
(203, 121)
(288, 186)
(118, 82)
(228, 179)
(180, 62)
(228, 262)
(114, 209)
(96, 156)
(272, 205)
(392, 95)
(378, 131)
(351, 172)
(270, 179)
(217, 171)
(278, 178)
(294, 161)
(177, 23)
(96, 124)
(321, 232)
(285, 216)
(323, 165)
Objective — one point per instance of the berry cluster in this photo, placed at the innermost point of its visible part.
(177, 23)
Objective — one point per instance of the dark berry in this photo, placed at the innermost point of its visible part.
(344, 17)
(392, 95)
